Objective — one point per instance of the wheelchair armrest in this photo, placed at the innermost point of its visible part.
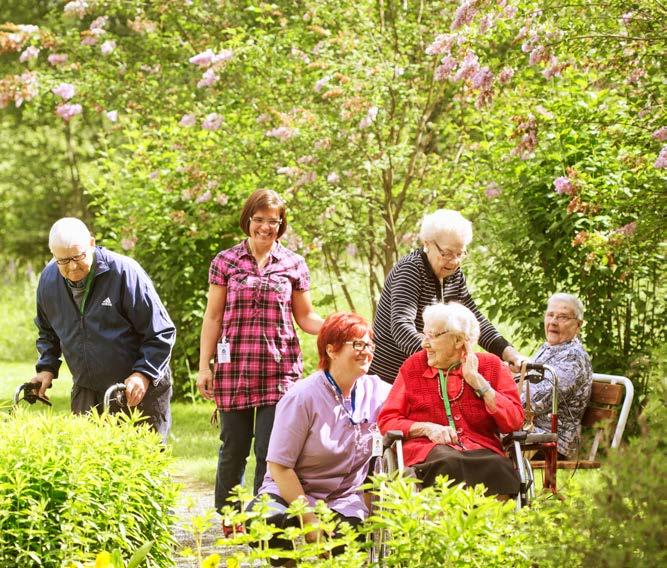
(390, 437)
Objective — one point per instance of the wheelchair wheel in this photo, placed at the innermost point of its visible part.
(526, 493)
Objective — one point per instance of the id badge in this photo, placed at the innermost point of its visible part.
(376, 449)
(223, 351)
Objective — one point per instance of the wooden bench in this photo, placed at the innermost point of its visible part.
(609, 393)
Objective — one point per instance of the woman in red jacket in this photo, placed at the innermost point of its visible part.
(451, 404)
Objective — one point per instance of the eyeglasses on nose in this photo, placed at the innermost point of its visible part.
(273, 223)
(560, 318)
(449, 255)
(75, 258)
(359, 345)
(430, 335)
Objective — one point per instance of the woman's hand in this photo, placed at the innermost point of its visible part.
(205, 383)
(437, 433)
(469, 368)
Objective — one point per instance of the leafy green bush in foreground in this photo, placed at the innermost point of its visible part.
(71, 486)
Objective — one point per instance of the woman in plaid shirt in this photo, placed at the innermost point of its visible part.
(255, 289)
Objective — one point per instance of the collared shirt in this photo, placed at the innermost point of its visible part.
(415, 397)
(575, 380)
(409, 288)
(265, 357)
(313, 435)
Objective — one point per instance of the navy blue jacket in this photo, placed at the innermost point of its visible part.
(124, 326)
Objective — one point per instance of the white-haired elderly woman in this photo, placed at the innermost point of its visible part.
(451, 405)
(426, 276)
(563, 351)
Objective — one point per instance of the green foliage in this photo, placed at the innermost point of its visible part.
(72, 486)
(18, 283)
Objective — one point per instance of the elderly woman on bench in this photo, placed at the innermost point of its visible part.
(451, 405)
(565, 353)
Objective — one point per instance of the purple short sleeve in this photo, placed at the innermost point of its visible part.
(290, 430)
(217, 272)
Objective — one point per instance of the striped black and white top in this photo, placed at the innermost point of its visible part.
(409, 288)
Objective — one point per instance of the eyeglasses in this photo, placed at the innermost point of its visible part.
(430, 335)
(449, 255)
(560, 318)
(359, 345)
(75, 258)
(273, 223)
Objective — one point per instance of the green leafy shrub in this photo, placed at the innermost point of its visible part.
(71, 486)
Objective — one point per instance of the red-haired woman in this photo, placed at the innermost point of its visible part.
(320, 446)
(256, 288)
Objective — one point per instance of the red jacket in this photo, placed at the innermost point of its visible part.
(415, 397)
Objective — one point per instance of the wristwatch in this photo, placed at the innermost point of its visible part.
(480, 392)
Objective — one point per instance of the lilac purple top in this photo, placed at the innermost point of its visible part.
(265, 357)
(313, 435)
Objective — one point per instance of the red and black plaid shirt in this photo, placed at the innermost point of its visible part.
(257, 323)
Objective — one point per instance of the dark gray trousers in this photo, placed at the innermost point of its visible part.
(155, 406)
(237, 428)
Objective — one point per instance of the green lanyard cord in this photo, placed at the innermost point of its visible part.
(443, 393)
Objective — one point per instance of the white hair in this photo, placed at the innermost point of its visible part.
(453, 317)
(572, 300)
(445, 222)
(67, 232)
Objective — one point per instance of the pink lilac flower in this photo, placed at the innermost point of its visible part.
(442, 44)
(660, 134)
(553, 69)
(140, 26)
(208, 78)
(76, 8)
(222, 199)
(627, 17)
(319, 85)
(370, 117)
(56, 59)
(188, 120)
(444, 70)
(65, 91)
(661, 162)
(288, 171)
(486, 24)
(509, 12)
(305, 160)
(28, 29)
(306, 178)
(99, 23)
(30, 52)
(222, 57)
(538, 54)
(27, 90)
(68, 111)
(212, 122)
(204, 197)
(505, 75)
(464, 14)
(128, 243)
(282, 133)
(351, 250)
(468, 67)
(563, 185)
(89, 40)
(333, 178)
(108, 46)
(492, 191)
(112, 115)
(203, 59)
(482, 79)
(263, 118)
(628, 229)
(322, 144)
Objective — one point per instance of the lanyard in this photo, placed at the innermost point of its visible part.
(339, 394)
(443, 394)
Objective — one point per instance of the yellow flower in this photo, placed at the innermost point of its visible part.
(211, 561)
(103, 560)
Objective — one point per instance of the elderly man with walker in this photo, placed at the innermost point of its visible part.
(100, 311)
